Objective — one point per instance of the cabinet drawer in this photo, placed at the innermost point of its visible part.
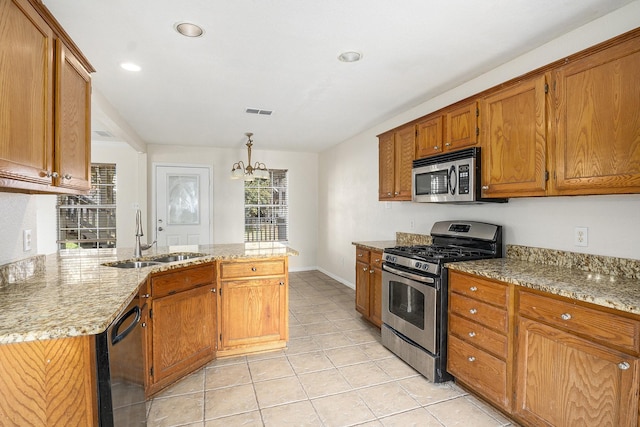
(181, 280)
(479, 370)
(362, 255)
(485, 314)
(476, 334)
(237, 269)
(606, 328)
(375, 259)
(475, 287)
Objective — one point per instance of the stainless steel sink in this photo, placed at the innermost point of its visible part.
(177, 257)
(132, 264)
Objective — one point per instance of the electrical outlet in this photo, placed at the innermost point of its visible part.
(26, 240)
(581, 236)
(412, 224)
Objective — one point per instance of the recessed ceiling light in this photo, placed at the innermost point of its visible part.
(130, 66)
(350, 56)
(188, 29)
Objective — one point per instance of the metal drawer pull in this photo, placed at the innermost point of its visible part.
(624, 365)
(473, 289)
(360, 255)
(254, 269)
(471, 359)
(485, 187)
(281, 283)
(365, 268)
(565, 316)
(472, 334)
(473, 311)
(370, 271)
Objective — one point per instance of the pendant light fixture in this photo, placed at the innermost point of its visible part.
(248, 172)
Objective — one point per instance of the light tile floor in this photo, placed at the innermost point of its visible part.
(334, 372)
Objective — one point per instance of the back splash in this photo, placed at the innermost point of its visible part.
(625, 267)
(18, 271)
(410, 239)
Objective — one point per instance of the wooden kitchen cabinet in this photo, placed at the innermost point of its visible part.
(575, 363)
(369, 285)
(45, 113)
(182, 323)
(447, 130)
(49, 383)
(597, 123)
(253, 305)
(396, 151)
(478, 337)
(514, 150)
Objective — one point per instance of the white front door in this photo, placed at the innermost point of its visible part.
(182, 213)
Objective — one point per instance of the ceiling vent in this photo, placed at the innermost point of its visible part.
(103, 133)
(258, 111)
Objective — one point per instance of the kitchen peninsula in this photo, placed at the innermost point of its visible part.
(52, 308)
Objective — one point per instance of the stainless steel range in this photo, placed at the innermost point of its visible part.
(414, 291)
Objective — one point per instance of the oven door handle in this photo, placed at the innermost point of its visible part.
(408, 275)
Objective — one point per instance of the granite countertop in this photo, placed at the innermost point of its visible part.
(376, 245)
(73, 294)
(606, 290)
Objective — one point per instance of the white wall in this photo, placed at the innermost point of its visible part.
(228, 195)
(348, 177)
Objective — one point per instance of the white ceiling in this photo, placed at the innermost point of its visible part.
(281, 55)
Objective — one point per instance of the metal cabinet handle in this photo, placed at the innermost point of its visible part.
(67, 176)
(254, 269)
(377, 260)
(485, 187)
(365, 268)
(471, 359)
(143, 324)
(360, 255)
(213, 290)
(448, 144)
(50, 174)
(435, 147)
(145, 295)
(473, 311)
(624, 365)
(396, 193)
(388, 194)
(370, 271)
(281, 283)
(565, 316)
(473, 289)
(472, 334)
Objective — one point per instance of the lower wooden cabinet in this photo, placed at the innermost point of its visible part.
(543, 359)
(369, 285)
(478, 351)
(181, 333)
(565, 379)
(254, 306)
(49, 383)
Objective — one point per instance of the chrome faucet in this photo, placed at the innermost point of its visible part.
(137, 251)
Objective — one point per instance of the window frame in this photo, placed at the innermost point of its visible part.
(270, 219)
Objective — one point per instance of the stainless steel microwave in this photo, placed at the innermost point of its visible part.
(449, 178)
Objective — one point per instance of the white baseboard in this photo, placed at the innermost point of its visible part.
(328, 273)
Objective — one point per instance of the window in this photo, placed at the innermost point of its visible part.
(266, 208)
(89, 221)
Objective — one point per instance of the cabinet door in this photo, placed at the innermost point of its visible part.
(26, 103)
(375, 297)
(514, 141)
(598, 122)
(73, 121)
(386, 166)
(563, 380)
(429, 137)
(183, 333)
(405, 140)
(462, 127)
(362, 288)
(253, 312)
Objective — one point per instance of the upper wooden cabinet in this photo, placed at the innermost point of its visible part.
(396, 154)
(462, 127)
(597, 124)
(447, 130)
(514, 140)
(45, 106)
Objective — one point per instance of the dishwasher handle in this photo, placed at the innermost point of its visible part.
(117, 337)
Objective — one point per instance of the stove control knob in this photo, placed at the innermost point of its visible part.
(418, 265)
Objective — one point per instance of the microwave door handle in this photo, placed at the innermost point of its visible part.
(453, 180)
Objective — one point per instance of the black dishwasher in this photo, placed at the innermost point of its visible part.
(120, 371)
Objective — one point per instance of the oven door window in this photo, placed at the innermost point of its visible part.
(432, 182)
(407, 303)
